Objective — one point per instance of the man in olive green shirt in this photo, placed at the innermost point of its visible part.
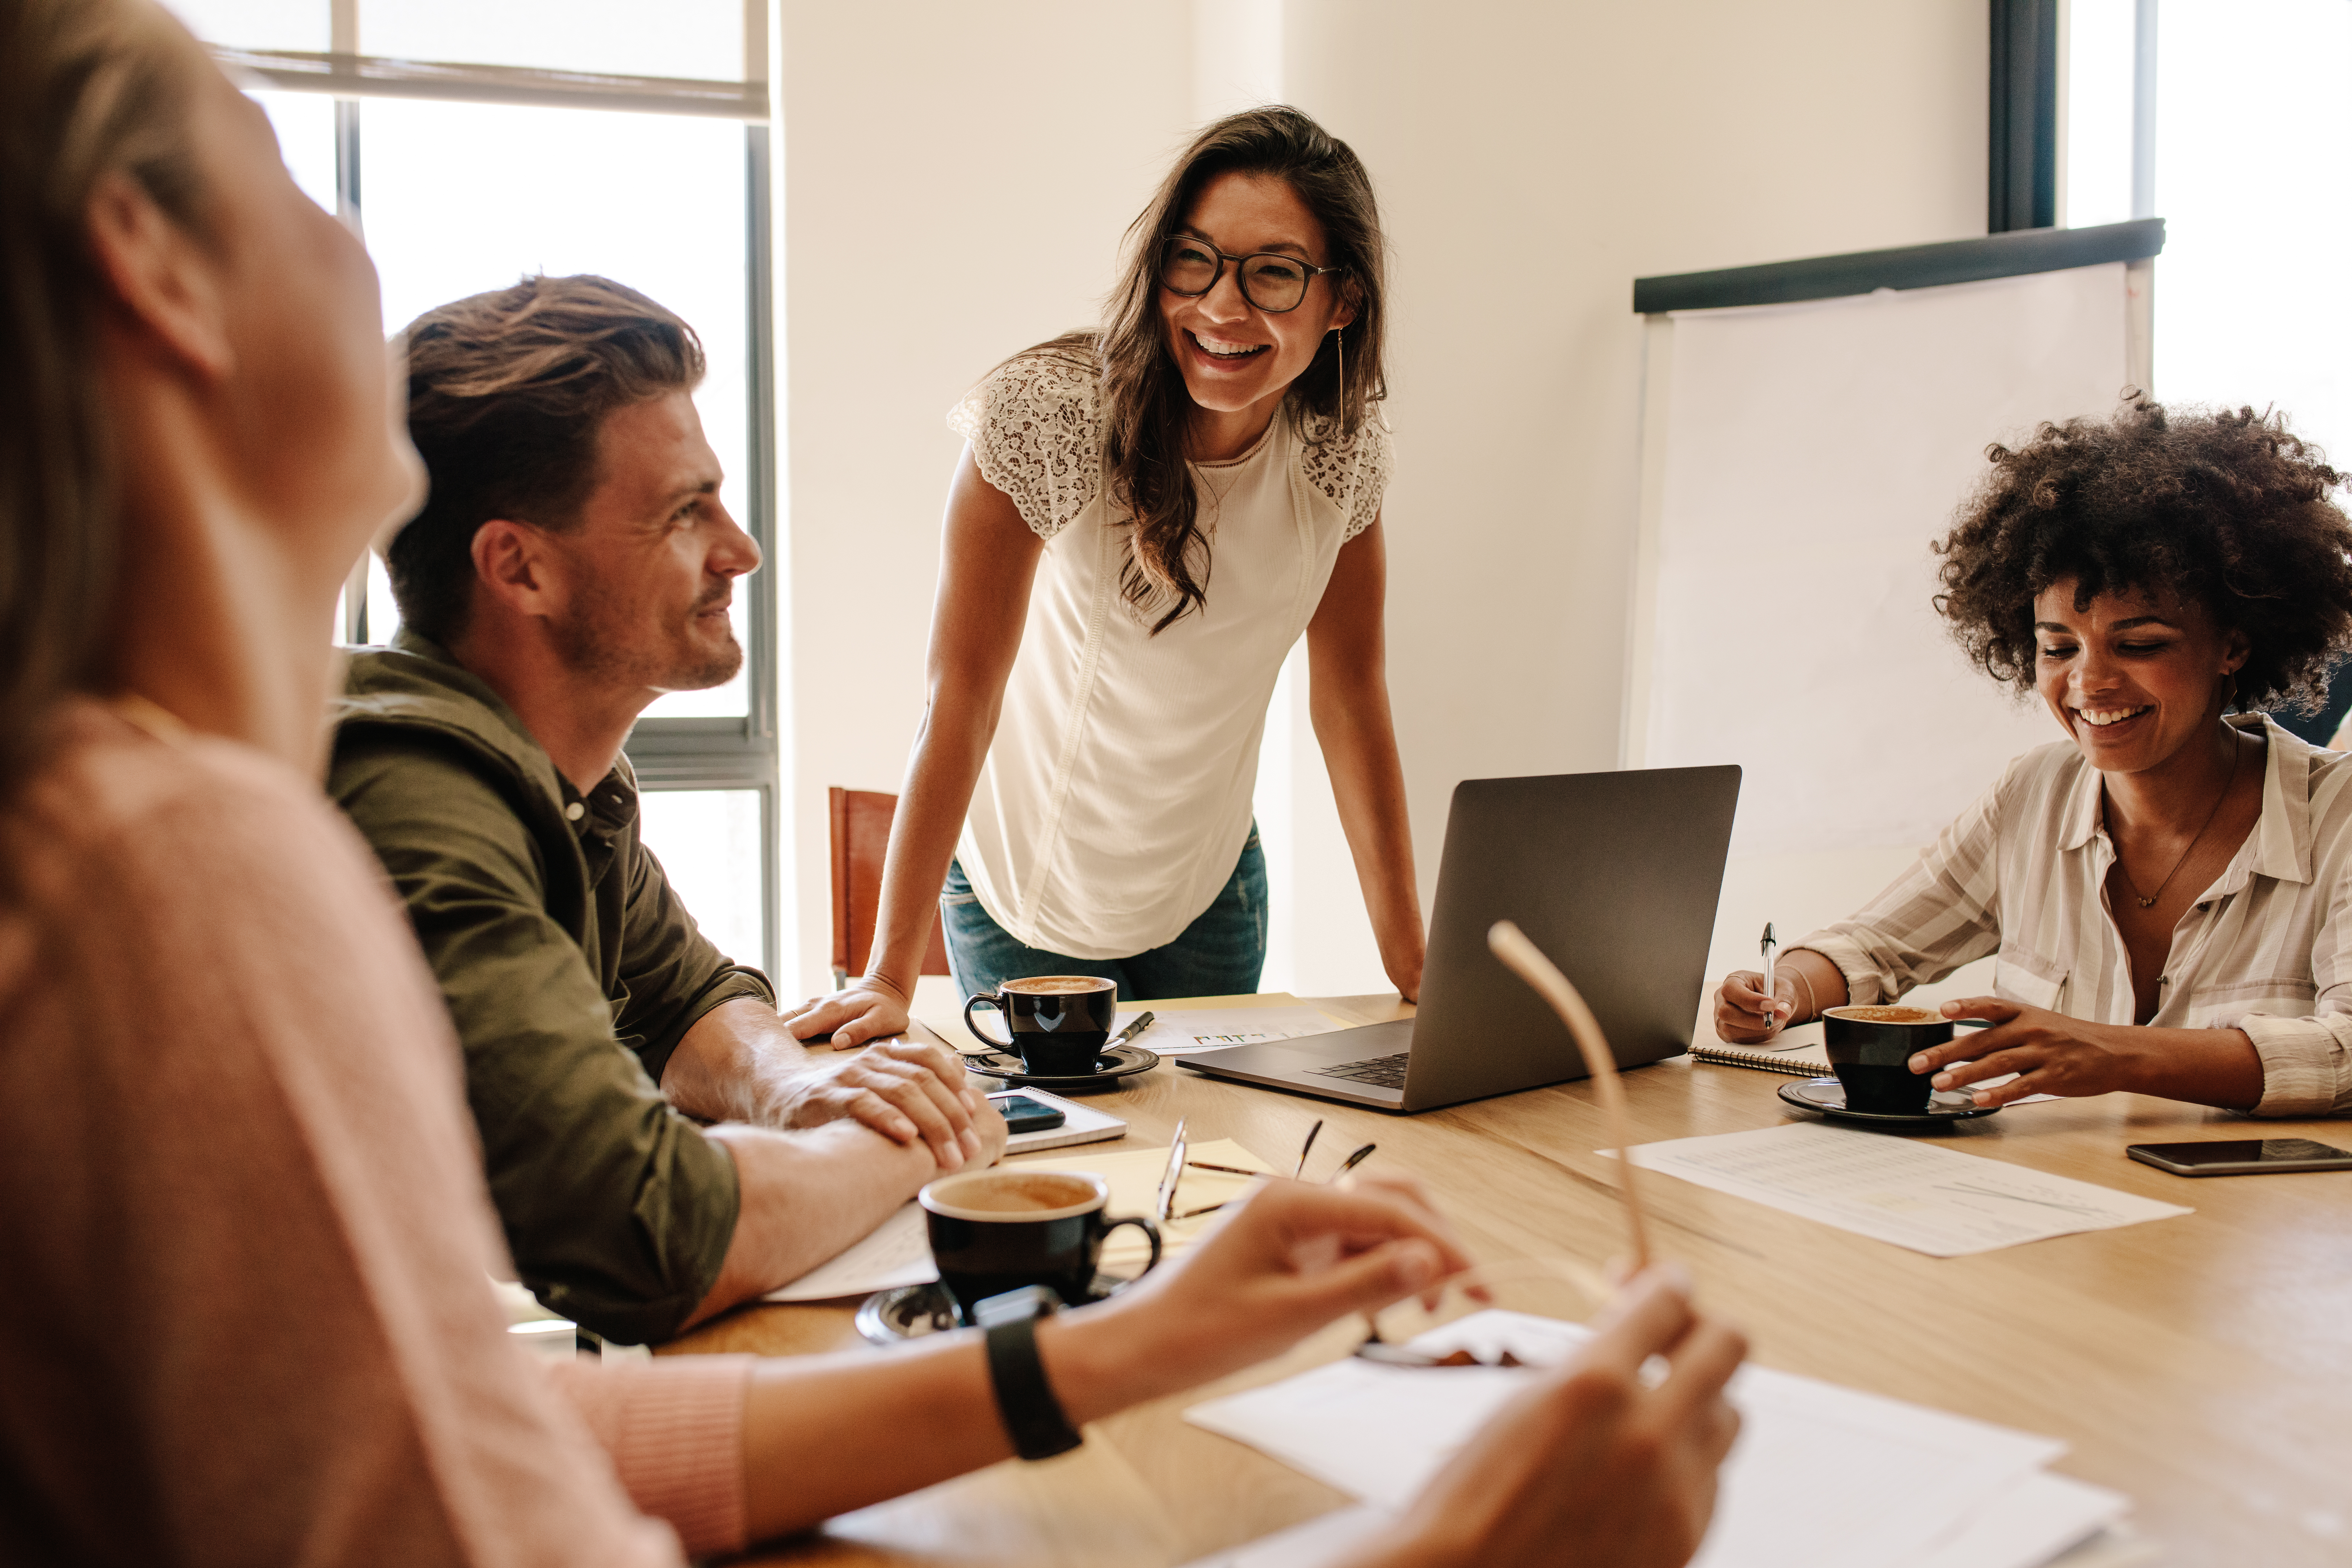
(573, 564)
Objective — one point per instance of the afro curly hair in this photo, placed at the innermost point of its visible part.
(2228, 509)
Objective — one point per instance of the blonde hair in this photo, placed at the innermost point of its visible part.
(88, 88)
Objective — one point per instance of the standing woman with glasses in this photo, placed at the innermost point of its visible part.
(1145, 520)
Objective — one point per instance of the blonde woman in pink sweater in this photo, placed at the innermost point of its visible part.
(247, 1315)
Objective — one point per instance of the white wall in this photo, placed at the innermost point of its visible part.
(955, 181)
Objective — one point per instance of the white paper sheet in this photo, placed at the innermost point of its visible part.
(1908, 1477)
(1183, 1031)
(2046, 1521)
(2030, 1524)
(1319, 1542)
(1914, 1195)
(898, 1252)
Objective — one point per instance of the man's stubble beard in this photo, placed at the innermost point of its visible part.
(594, 642)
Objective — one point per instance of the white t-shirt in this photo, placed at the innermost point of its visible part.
(1115, 796)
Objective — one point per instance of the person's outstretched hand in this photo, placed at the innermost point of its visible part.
(1593, 1465)
(869, 1008)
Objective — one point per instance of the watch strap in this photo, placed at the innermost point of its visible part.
(1025, 1399)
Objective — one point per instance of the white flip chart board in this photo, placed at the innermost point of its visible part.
(1798, 462)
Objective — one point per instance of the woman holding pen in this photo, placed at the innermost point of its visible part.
(2162, 891)
(1145, 519)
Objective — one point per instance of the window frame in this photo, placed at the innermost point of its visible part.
(666, 754)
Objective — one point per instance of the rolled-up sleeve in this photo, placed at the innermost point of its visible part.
(618, 1210)
(674, 1431)
(673, 974)
(2306, 1063)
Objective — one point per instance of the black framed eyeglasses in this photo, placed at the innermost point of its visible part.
(1271, 280)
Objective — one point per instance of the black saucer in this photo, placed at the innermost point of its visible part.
(1118, 1062)
(1827, 1096)
(913, 1312)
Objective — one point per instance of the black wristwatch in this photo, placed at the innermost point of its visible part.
(1024, 1400)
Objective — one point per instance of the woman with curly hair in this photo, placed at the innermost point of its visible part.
(2165, 889)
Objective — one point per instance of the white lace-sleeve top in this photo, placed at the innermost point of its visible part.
(1115, 796)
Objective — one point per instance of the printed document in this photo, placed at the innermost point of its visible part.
(1180, 1032)
(1911, 1484)
(1915, 1194)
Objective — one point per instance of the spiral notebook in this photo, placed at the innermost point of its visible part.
(1800, 1053)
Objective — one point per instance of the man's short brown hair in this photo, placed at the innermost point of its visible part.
(507, 391)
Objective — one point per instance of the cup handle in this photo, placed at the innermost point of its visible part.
(1151, 1231)
(997, 1002)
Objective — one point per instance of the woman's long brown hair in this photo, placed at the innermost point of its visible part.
(87, 87)
(1145, 412)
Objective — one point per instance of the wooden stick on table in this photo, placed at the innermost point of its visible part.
(1511, 945)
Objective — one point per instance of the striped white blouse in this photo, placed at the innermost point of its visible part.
(2023, 874)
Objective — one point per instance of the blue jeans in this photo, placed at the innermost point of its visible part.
(1219, 954)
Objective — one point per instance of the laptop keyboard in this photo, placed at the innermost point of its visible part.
(1382, 1072)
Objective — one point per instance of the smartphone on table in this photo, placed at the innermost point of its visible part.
(1024, 1114)
(2240, 1156)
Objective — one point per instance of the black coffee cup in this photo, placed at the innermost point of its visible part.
(993, 1231)
(1872, 1046)
(1058, 1022)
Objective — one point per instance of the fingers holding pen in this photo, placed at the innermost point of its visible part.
(1745, 1013)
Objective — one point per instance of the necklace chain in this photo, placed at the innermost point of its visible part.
(2149, 901)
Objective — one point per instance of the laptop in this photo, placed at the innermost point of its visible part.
(1615, 876)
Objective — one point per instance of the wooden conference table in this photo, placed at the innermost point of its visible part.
(2201, 1364)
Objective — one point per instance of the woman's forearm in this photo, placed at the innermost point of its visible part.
(1347, 700)
(824, 1435)
(1359, 750)
(988, 560)
(948, 757)
(2219, 1067)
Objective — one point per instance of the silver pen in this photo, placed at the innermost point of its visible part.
(1772, 949)
(1173, 1174)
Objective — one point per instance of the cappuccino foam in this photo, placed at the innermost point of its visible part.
(1015, 1193)
(1058, 986)
(1886, 1014)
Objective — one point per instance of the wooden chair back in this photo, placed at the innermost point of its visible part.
(861, 838)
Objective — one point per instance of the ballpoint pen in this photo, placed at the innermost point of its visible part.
(1351, 1162)
(1772, 950)
(1142, 1021)
(1174, 1173)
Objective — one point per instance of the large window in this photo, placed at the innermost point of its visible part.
(474, 144)
(2232, 122)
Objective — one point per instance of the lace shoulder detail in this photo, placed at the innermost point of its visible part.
(1352, 473)
(1036, 434)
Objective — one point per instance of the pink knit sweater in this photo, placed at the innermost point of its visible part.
(245, 1246)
